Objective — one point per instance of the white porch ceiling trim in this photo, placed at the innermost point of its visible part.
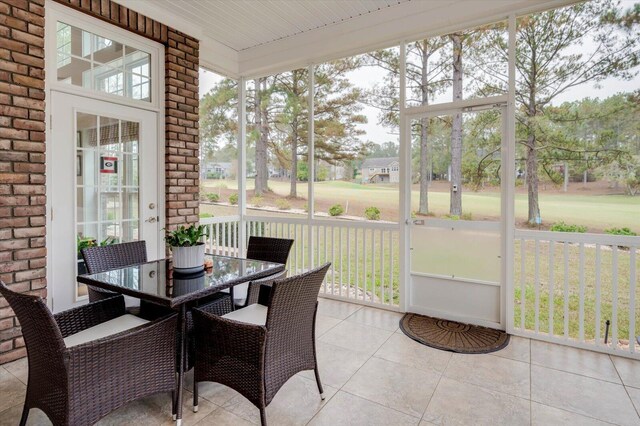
(371, 29)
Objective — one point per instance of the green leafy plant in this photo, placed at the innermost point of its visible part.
(233, 198)
(372, 213)
(186, 237)
(205, 215)
(85, 242)
(336, 210)
(283, 204)
(213, 197)
(564, 227)
(257, 201)
(621, 231)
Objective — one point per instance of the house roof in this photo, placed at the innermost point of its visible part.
(379, 162)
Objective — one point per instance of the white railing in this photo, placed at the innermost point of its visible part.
(578, 289)
(364, 256)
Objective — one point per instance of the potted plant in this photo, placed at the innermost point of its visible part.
(187, 248)
(85, 242)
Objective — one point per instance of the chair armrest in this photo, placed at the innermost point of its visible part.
(218, 337)
(77, 319)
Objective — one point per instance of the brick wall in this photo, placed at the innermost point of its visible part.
(22, 140)
(22, 157)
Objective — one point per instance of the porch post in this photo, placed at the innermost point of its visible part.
(242, 164)
(509, 161)
(311, 167)
(405, 188)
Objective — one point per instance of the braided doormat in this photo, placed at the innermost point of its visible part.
(453, 336)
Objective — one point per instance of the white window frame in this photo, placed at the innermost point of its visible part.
(56, 12)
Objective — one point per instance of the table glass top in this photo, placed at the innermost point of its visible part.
(160, 281)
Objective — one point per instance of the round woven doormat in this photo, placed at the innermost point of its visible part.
(453, 336)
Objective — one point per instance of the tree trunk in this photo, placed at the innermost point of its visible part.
(262, 125)
(293, 191)
(532, 165)
(423, 208)
(455, 188)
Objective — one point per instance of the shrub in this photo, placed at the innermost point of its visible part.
(564, 227)
(336, 210)
(372, 213)
(466, 216)
(621, 231)
(283, 204)
(213, 197)
(257, 201)
(205, 215)
(233, 198)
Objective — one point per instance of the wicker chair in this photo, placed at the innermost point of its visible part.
(75, 380)
(256, 349)
(105, 258)
(258, 289)
(268, 250)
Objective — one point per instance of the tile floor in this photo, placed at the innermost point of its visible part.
(374, 375)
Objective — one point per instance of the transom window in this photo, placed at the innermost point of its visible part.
(98, 63)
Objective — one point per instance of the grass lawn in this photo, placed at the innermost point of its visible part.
(597, 212)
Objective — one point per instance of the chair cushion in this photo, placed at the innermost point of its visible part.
(107, 328)
(252, 314)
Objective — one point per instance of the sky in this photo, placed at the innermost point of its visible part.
(367, 77)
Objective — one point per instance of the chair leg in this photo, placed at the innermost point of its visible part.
(195, 396)
(173, 404)
(25, 415)
(263, 417)
(318, 382)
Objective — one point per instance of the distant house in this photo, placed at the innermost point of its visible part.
(217, 170)
(381, 170)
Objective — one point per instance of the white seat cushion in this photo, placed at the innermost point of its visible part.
(252, 314)
(108, 328)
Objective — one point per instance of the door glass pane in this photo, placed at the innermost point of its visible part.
(107, 181)
(456, 181)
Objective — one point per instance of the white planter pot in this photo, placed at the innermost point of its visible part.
(188, 257)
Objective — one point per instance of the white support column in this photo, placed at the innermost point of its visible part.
(311, 166)
(242, 164)
(508, 188)
(405, 188)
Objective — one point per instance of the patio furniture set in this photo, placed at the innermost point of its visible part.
(90, 360)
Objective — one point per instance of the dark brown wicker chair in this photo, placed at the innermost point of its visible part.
(106, 258)
(256, 359)
(259, 286)
(266, 249)
(78, 385)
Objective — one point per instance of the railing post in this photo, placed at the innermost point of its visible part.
(242, 164)
(312, 168)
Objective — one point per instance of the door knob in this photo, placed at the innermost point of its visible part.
(152, 219)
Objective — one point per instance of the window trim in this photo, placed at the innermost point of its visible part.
(56, 12)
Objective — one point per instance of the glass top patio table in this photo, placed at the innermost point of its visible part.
(158, 282)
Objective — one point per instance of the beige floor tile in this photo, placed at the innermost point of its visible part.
(491, 372)
(379, 318)
(573, 360)
(356, 337)
(583, 395)
(393, 385)
(213, 392)
(350, 410)
(12, 390)
(628, 369)
(222, 417)
(634, 394)
(543, 415)
(325, 323)
(295, 404)
(11, 417)
(336, 309)
(336, 364)
(19, 368)
(458, 403)
(519, 349)
(406, 351)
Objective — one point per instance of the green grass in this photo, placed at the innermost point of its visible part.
(597, 212)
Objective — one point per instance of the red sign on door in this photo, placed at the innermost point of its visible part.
(108, 164)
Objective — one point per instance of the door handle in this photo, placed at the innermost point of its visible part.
(152, 219)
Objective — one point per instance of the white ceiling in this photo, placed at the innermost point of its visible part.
(242, 24)
(257, 37)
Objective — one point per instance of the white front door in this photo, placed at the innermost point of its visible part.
(104, 185)
(457, 226)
